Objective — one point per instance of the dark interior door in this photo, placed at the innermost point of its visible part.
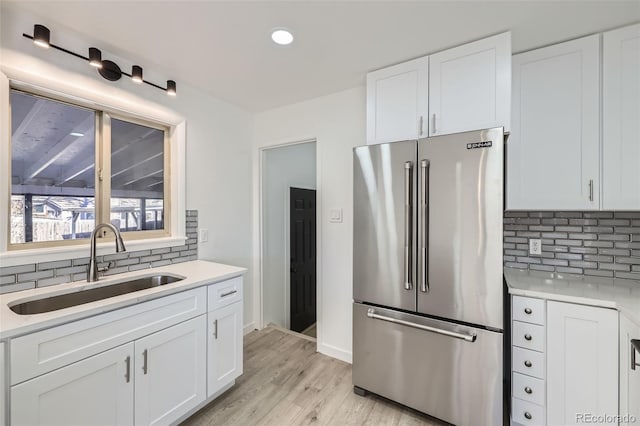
(303, 258)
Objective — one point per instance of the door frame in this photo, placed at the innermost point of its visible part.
(259, 282)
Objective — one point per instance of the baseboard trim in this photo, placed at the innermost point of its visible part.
(248, 328)
(335, 352)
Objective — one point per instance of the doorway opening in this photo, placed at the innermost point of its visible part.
(289, 237)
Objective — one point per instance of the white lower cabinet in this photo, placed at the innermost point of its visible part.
(147, 364)
(582, 363)
(629, 372)
(170, 372)
(95, 391)
(3, 384)
(224, 347)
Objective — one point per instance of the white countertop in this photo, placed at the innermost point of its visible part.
(196, 273)
(623, 295)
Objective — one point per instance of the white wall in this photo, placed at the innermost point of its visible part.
(337, 123)
(218, 154)
(283, 167)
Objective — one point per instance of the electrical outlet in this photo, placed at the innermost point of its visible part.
(204, 235)
(535, 246)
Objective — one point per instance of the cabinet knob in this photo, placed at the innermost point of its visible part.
(527, 363)
(527, 415)
(528, 390)
(528, 311)
(527, 337)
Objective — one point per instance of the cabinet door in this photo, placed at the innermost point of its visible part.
(397, 102)
(629, 376)
(582, 362)
(224, 347)
(95, 391)
(621, 119)
(170, 372)
(554, 149)
(3, 383)
(470, 86)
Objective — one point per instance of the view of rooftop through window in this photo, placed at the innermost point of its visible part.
(52, 169)
(53, 188)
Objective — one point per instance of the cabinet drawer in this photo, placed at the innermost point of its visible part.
(529, 336)
(527, 413)
(527, 388)
(43, 351)
(528, 309)
(528, 362)
(224, 293)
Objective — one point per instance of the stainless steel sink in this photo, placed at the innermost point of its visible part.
(66, 300)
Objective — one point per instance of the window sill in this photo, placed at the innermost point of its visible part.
(22, 257)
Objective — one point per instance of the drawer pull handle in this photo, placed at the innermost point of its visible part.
(527, 337)
(528, 390)
(127, 375)
(527, 415)
(145, 366)
(528, 311)
(527, 364)
(229, 293)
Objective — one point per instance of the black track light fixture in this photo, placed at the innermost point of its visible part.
(107, 69)
(41, 35)
(136, 74)
(95, 57)
(171, 88)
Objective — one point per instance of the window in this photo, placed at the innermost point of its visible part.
(73, 167)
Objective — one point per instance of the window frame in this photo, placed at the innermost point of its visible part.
(102, 129)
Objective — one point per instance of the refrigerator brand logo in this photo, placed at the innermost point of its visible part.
(483, 144)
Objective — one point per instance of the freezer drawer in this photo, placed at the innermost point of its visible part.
(455, 376)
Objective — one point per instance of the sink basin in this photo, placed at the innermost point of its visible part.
(67, 300)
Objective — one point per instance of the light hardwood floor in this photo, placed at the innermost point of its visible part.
(286, 382)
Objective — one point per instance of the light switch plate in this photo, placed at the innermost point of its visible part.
(335, 215)
(204, 235)
(535, 247)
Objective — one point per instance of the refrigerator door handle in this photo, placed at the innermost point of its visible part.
(408, 221)
(371, 313)
(424, 226)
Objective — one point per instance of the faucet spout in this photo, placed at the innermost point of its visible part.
(92, 269)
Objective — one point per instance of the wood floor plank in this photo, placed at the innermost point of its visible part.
(286, 382)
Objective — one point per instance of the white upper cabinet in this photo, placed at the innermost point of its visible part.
(470, 86)
(397, 101)
(554, 149)
(621, 119)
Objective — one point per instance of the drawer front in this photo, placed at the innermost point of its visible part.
(528, 309)
(527, 413)
(43, 351)
(224, 293)
(529, 336)
(527, 388)
(528, 362)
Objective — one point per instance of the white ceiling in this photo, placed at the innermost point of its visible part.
(224, 48)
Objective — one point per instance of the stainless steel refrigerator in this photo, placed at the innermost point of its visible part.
(427, 275)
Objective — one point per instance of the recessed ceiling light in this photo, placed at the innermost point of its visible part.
(76, 134)
(282, 36)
